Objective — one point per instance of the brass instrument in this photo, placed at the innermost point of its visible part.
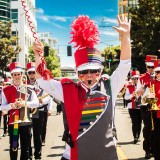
(122, 93)
(25, 119)
(152, 101)
(34, 110)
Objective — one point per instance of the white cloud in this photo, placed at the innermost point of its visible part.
(109, 33)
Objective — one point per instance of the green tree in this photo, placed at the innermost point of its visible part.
(8, 46)
(145, 32)
(112, 53)
(52, 61)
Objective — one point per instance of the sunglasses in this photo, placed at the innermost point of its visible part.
(157, 72)
(31, 72)
(150, 67)
(135, 78)
(17, 74)
(92, 71)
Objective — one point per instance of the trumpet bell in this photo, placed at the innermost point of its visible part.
(16, 122)
(26, 120)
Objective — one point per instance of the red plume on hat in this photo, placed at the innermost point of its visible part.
(85, 35)
(150, 60)
(157, 65)
(30, 66)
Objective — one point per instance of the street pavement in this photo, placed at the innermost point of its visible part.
(55, 146)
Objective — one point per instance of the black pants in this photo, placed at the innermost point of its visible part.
(136, 119)
(44, 128)
(59, 108)
(0, 117)
(156, 138)
(5, 125)
(24, 132)
(147, 130)
(37, 134)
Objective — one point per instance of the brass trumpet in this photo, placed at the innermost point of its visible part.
(34, 110)
(153, 100)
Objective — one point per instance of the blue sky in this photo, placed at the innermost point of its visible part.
(56, 16)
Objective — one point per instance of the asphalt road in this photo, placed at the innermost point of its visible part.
(54, 146)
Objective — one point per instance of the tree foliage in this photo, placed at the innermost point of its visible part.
(52, 61)
(8, 47)
(145, 31)
(106, 53)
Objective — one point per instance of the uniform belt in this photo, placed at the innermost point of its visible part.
(42, 106)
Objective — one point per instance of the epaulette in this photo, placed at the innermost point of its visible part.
(66, 81)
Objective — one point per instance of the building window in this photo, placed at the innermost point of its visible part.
(14, 15)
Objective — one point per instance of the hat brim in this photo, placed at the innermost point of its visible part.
(89, 66)
(157, 69)
(31, 69)
(16, 70)
(136, 76)
(149, 64)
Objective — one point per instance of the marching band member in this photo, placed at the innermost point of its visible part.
(89, 104)
(143, 81)
(155, 94)
(15, 99)
(133, 109)
(38, 116)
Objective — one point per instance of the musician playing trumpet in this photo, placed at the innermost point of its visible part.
(156, 114)
(17, 99)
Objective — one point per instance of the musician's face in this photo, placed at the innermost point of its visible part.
(89, 77)
(31, 75)
(157, 74)
(17, 76)
(150, 69)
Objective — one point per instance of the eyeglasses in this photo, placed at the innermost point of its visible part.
(92, 71)
(150, 67)
(16, 74)
(157, 72)
(31, 72)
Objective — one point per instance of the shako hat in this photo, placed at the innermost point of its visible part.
(157, 65)
(135, 74)
(15, 67)
(85, 35)
(31, 66)
(150, 60)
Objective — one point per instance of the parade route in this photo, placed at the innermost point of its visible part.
(54, 146)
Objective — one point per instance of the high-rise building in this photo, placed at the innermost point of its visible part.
(123, 6)
(46, 37)
(5, 10)
(21, 27)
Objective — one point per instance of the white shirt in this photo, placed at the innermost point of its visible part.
(54, 87)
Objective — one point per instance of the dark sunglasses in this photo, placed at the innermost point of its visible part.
(135, 78)
(157, 72)
(89, 71)
(150, 67)
(17, 74)
(31, 72)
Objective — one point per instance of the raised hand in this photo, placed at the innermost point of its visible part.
(37, 47)
(123, 25)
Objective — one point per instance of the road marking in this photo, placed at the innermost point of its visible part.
(121, 154)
